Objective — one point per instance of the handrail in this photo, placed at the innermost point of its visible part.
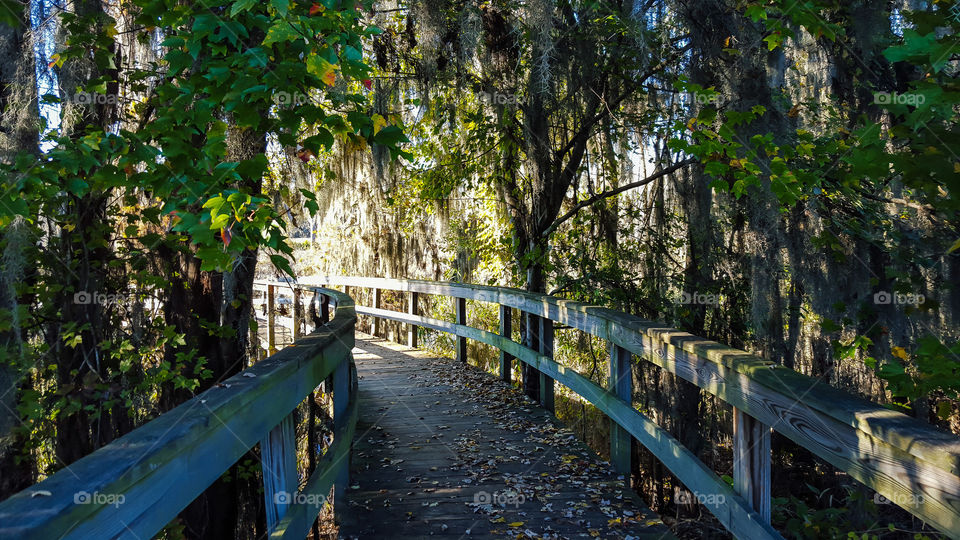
(912, 464)
(137, 484)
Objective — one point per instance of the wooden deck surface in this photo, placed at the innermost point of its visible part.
(444, 449)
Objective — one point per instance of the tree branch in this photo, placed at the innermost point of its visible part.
(616, 191)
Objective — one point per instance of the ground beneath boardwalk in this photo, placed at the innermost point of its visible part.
(447, 449)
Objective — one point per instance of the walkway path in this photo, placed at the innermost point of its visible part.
(447, 449)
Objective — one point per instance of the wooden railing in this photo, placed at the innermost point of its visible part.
(910, 463)
(136, 485)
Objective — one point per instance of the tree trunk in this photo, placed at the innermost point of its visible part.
(224, 299)
(18, 133)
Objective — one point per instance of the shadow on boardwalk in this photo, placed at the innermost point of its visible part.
(447, 449)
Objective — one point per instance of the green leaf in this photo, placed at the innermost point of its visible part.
(281, 6)
(756, 13)
(954, 247)
(241, 5)
(390, 136)
(283, 264)
(350, 53)
(323, 140)
(773, 41)
(281, 31)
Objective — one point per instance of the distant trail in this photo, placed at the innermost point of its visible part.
(447, 449)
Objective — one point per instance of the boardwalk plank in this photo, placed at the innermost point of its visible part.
(443, 449)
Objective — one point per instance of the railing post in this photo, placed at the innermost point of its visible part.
(506, 330)
(296, 313)
(531, 339)
(254, 350)
(375, 328)
(278, 460)
(751, 462)
(341, 399)
(620, 383)
(460, 305)
(546, 349)
(271, 331)
(412, 329)
(324, 308)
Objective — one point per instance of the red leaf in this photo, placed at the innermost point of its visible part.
(368, 83)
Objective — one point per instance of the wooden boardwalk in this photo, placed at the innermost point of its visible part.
(444, 449)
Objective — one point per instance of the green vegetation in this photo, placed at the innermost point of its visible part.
(780, 176)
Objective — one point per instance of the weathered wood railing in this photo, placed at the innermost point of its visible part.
(136, 485)
(910, 463)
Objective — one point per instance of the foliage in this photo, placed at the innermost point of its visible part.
(115, 196)
(856, 168)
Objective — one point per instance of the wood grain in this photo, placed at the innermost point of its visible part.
(429, 446)
(278, 460)
(751, 462)
(163, 465)
(911, 463)
(731, 509)
(620, 384)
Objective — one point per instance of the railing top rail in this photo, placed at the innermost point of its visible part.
(160, 467)
(918, 439)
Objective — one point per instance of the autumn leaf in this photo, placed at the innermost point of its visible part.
(378, 123)
(316, 8)
(226, 234)
(900, 353)
(324, 70)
